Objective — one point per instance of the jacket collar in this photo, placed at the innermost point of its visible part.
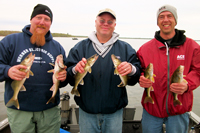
(177, 40)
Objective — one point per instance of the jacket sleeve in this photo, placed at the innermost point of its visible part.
(5, 55)
(74, 56)
(193, 77)
(133, 59)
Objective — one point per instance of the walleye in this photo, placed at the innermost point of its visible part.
(58, 67)
(79, 76)
(177, 77)
(148, 73)
(17, 85)
(116, 62)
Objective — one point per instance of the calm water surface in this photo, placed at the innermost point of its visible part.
(134, 92)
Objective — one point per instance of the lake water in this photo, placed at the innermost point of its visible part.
(134, 92)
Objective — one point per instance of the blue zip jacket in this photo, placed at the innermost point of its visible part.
(13, 49)
(100, 93)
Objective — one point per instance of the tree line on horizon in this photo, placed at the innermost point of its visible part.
(7, 32)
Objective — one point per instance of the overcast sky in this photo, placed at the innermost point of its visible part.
(135, 18)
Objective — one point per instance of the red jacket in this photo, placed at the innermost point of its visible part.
(182, 51)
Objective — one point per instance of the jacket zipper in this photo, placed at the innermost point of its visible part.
(168, 76)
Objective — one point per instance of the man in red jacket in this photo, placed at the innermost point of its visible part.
(167, 51)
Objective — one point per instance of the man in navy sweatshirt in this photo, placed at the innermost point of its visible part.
(33, 114)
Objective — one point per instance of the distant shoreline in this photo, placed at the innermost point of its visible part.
(7, 32)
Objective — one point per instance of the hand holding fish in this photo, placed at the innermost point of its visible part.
(80, 66)
(179, 88)
(15, 73)
(145, 82)
(86, 66)
(62, 75)
(124, 68)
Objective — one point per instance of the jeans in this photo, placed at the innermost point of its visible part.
(174, 124)
(100, 123)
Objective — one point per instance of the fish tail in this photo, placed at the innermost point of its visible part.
(12, 102)
(75, 92)
(177, 102)
(148, 99)
(52, 99)
(121, 85)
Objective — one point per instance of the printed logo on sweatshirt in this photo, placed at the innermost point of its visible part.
(37, 59)
(180, 57)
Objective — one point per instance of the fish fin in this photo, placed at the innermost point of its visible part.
(90, 70)
(121, 84)
(177, 102)
(13, 84)
(22, 88)
(12, 102)
(75, 92)
(185, 81)
(51, 71)
(152, 88)
(116, 72)
(52, 99)
(52, 88)
(148, 99)
(152, 79)
(31, 73)
(52, 64)
(82, 82)
(27, 75)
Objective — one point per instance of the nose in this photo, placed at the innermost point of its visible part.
(42, 21)
(166, 18)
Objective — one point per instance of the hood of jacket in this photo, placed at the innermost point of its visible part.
(26, 30)
(103, 49)
(177, 40)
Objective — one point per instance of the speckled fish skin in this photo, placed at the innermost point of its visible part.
(177, 77)
(116, 62)
(18, 85)
(148, 73)
(58, 67)
(79, 76)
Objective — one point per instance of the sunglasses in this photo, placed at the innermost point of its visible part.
(109, 22)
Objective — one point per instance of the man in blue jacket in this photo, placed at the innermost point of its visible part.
(34, 115)
(101, 101)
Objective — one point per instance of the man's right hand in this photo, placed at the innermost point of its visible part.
(15, 73)
(80, 65)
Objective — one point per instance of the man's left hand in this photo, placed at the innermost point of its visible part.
(62, 75)
(179, 88)
(124, 68)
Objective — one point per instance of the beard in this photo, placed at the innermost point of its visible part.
(38, 37)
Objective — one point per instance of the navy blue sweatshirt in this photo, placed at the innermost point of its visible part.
(13, 49)
(100, 93)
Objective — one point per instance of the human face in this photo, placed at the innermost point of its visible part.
(105, 25)
(166, 23)
(41, 20)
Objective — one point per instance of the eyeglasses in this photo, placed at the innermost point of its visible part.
(109, 22)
